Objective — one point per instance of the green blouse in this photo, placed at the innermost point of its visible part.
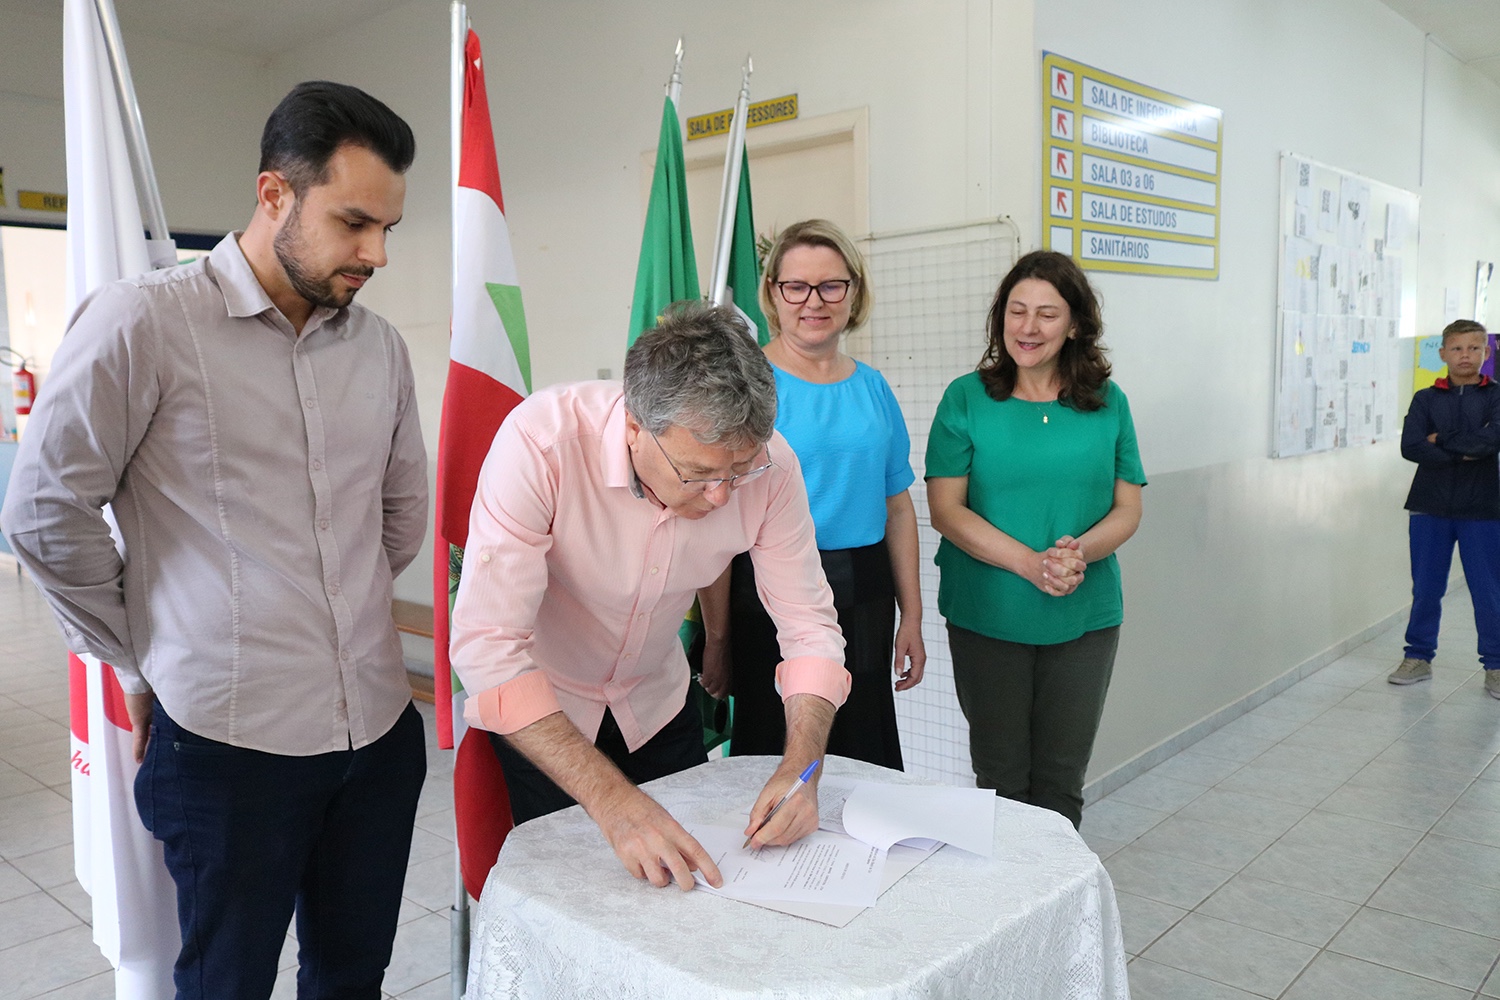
(1036, 480)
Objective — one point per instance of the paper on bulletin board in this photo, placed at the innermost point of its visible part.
(1346, 295)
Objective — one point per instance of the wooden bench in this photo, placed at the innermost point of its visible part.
(415, 619)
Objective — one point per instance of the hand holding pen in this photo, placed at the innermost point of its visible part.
(796, 787)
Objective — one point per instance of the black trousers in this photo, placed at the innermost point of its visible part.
(677, 747)
(864, 593)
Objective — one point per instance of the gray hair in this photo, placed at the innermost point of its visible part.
(700, 370)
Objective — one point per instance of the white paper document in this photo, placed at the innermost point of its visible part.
(919, 816)
(869, 836)
(822, 867)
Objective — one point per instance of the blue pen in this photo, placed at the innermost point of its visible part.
(796, 786)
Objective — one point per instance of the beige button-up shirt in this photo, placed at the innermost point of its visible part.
(267, 488)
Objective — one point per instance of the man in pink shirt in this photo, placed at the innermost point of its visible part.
(601, 510)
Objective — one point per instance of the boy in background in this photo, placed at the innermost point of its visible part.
(1452, 432)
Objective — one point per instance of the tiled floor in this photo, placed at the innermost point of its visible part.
(46, 947)
(1340, 842)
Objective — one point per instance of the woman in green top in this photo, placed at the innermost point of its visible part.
(1033, 480)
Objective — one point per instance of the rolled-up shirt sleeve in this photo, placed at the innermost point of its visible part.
(503, 581)
(789, 578)
(89, 419)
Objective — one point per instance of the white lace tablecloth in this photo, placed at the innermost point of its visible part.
(561, 919)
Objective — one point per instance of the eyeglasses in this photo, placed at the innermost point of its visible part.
(704, 485)
(829, 292)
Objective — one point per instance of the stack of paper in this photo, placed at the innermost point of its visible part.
(870, 835)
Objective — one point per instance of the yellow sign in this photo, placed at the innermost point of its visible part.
(777, 109)
(1130, 174)
(42, 201)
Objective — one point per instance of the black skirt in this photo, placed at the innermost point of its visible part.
(864, 594)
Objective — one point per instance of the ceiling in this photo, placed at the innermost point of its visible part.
(1470, 29)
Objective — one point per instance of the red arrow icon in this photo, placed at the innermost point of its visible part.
(1062, 123)
(1062, 201)
(1062, 162)
(1062, 84)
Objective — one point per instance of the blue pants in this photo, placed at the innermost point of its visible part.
(1432, 540)
(249, 836)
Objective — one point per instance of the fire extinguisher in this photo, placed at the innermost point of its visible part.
(24, 384)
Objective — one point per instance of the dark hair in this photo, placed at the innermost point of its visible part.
(316, 118)
(700, 370)
(1082, 368)
(1459, 326)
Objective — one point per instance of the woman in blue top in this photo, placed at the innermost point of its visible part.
(842, 420)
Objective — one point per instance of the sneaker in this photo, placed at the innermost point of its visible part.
(1412, 670)
(1492, 683)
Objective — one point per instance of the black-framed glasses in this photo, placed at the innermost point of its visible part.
(830, 292)
(704, 485)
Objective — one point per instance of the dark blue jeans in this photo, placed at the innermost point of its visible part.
(251, 836)
(1432, 541)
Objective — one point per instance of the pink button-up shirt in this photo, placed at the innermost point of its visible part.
(574, 587)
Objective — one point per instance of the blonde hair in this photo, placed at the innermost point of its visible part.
(817, 233)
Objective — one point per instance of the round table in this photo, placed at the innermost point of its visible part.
(561, 918)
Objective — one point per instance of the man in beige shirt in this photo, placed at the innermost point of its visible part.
(256, 435)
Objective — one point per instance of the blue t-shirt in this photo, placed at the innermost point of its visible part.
(851, 440)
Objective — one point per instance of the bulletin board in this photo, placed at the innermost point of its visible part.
(1346, 298)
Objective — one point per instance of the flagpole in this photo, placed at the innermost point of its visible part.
(459, 22)
(458, 916)
(135, 129)
(674, 85)
(729, 196)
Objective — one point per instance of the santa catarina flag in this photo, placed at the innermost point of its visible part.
(489, 373)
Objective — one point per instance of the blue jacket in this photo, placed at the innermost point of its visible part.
(1458, 476)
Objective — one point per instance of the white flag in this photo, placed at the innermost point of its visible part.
(117, 860)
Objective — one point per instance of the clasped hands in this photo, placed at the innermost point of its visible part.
(1059, 570)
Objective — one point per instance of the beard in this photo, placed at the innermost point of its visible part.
(290, 246)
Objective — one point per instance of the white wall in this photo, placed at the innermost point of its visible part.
(1246, 567)
(575, 92)
(1460, 223)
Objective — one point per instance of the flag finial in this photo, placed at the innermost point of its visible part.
(674, 85)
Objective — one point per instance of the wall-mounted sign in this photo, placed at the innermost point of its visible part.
(777, 109)
(42, 201)
(1130, 174)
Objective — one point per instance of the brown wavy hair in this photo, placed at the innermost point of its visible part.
(1082, 368)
